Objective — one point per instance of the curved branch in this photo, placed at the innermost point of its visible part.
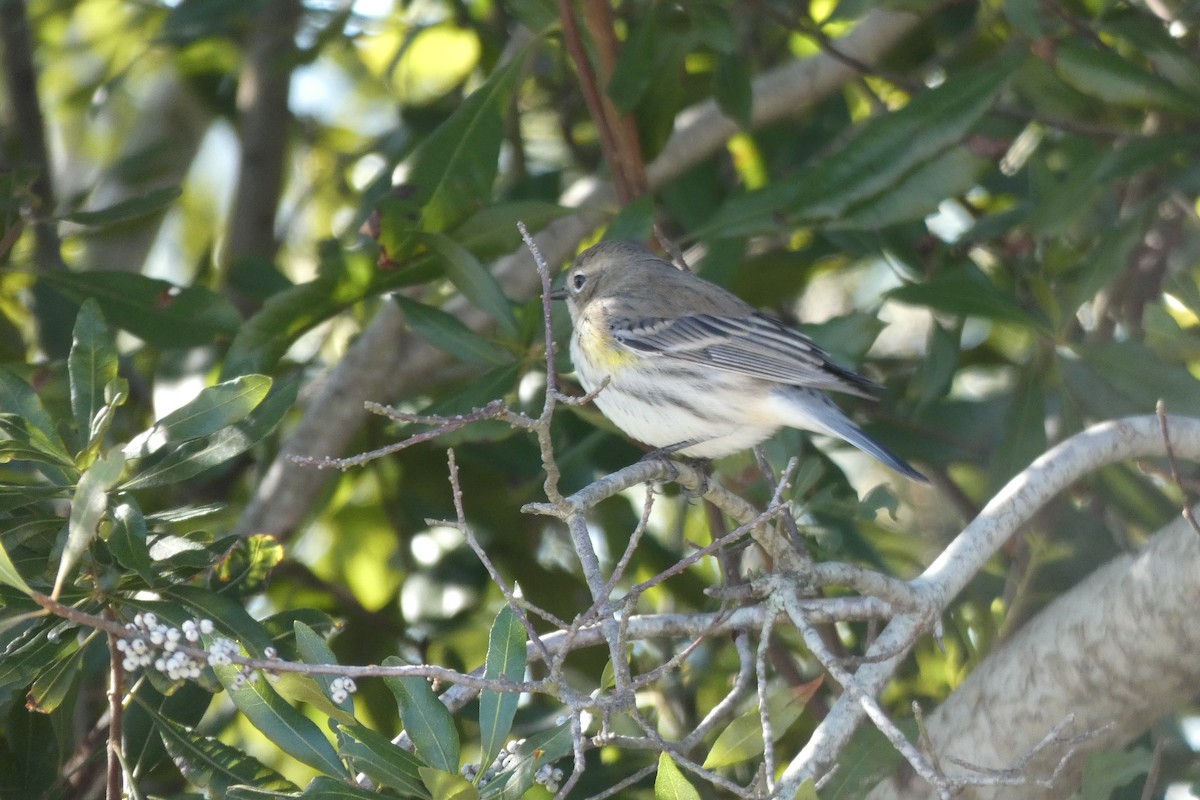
(1106, 443)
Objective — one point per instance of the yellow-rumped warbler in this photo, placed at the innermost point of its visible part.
(693, 368)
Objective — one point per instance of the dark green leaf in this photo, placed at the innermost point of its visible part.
(732, 89)
(330, 789)
(918, 194)
(453, 170)
(152, 202)
(214, 408)
(964, 291)
(18, 397)
(445, 332)
(475, 282)
(505, 659)
(194, 457)
(426, 721)
(541, 748)
(92, 365)
(313, 650)
(210, 763)
(127, 539)
(885, 149)
(1105, 75)
(382, 761)
(289, 729)
(493, 230)
(161, 313)
(55, 682)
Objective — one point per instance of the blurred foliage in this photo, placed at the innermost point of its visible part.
(999, 223)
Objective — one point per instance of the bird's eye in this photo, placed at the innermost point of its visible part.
(578, 280)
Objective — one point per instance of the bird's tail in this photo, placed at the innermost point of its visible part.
(813, 410)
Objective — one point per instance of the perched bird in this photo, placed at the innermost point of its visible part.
(692, 368)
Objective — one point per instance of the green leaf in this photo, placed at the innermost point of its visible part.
(669, 783)
(541, 748)
(742, 740)
(918, 193)
(55, 682)
(161, 313)
(452, 171)
(505, 659)
(313, 650)
(1103, 74)
(194, 457)
(330, 789)
(447, 786)
(214, 408)
(1024, 432)
(290, 730)
(445, 332)
(18, 397)
(9, 575)
(475, 282)
(152, 202)
(210, 763)
(732, 89)
(92, 365)
(127, 539)
(426, 721)
(493, 230)
(884, 150)
(965, 291)
(87, 508)
(385, 763)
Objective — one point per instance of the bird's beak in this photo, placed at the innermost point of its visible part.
(558, 294)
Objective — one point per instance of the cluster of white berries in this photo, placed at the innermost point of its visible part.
(547, 775)
(341, 688)
(158, 644)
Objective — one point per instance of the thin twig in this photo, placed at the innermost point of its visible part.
(1160, 410)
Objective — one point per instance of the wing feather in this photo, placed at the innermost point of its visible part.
(754, 345)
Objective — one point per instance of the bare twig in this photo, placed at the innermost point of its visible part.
(1161, 412)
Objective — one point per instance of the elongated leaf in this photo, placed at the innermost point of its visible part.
(213, 409)
(493, 230)
(55, 682)
(447, 786)
(742, 740)
(965, 292)
(194, 457)
(157, 311)
(287, 728)
(445, 332)
(669, 783)
(885, 149)
(210, 763)
(230, 617)
(505, 659)
(18, 397)
(453, 170)
(330, 789)
(132, 208)
(475, 282)
(9, 575)
(313, 650)
(541, 748)
(87, 508)
(1105, 75)
(92, 365)
(426, 721)
(384, 763)
(127, 540)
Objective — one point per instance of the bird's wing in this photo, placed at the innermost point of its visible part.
(754, 345)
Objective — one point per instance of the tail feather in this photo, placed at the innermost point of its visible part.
(813, 410)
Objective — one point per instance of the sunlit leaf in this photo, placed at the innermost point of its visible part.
(669, 783)
(87, 507)
(92, 365)
(152, 202)
(505, 659)
(383, 762)
(742, 739)
(214, 408)
(426, 721)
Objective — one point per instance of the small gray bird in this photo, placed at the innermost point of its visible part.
(694, 369)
